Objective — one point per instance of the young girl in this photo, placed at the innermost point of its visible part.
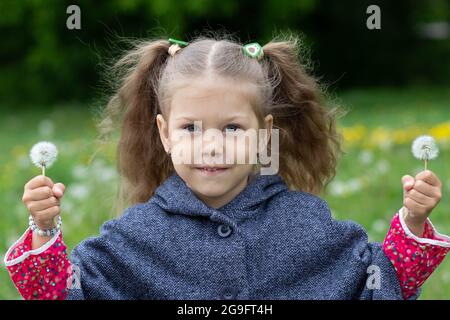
(213, 229)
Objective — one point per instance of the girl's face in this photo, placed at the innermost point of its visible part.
(212, 124)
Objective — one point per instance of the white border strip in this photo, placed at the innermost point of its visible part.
(26, 254)
(444, 241)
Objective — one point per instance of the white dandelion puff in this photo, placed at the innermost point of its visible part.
(43, 154)
(425, 148)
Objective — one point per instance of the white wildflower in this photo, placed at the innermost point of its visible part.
(383, 166)
(78, 191)
(337, 188)
(354, 185)
(43, 154)
(106, 174)
(366, 156)
(424, 148)
(379, 226)
(79, 172)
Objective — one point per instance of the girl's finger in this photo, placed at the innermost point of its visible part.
(38, 181)
(58, 189)
(408, 182)
(425, 188)
(48, 213)
(40, 193)
(35, 206)
(413, 205)
(429, 177)
(418, 197)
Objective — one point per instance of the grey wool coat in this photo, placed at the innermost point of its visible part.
(267, 243)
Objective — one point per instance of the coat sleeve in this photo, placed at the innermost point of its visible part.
(98, 268)
(369, 266)
(106, 265)
(394, 269)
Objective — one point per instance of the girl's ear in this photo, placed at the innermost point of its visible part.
(268, 122)
(163, 131)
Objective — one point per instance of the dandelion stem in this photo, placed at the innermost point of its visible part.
(43, 170)
(426, 162)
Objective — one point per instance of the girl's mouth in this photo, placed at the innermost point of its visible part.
(211, 171)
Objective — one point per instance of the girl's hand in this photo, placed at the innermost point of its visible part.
(420, 195)
(42, 199)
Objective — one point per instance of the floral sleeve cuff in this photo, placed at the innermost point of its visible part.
(414, 258)
(41, 273)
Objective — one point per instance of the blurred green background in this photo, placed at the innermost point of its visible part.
(395, 82)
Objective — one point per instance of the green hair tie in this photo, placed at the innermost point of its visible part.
(179, 42)
(253, 50)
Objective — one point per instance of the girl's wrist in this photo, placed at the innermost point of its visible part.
(416, 226)
(38, 241)
(45, 224)
(47, 231)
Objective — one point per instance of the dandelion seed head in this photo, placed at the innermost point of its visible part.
(43, 154)
(424, 148)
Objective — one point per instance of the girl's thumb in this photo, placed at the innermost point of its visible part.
(408, 182)
(58, 189)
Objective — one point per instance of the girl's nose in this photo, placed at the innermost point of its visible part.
(212, 149)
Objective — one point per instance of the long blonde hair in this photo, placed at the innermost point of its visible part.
(309, 143)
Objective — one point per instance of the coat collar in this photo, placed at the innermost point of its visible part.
(176, 197)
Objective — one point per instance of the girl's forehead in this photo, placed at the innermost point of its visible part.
(218, 96)
(212, 88)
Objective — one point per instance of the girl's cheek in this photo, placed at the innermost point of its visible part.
(182, 147)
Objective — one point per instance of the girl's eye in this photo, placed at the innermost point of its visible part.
(232, 128)
(190, 128)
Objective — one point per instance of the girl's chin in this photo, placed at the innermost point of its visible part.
(212, 191)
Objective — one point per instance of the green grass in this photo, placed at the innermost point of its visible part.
(366, 189)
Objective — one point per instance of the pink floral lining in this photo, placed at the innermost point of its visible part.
(43, 276)
(414, 261)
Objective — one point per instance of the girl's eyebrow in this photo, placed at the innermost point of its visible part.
(184, 118)
(233, 117)
(237, 116)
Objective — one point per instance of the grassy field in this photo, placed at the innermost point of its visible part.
(378, 131)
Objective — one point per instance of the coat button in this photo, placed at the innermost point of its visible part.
(224, 230)
(228, 294)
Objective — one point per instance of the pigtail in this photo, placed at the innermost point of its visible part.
(308, 141)
(142, 163)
